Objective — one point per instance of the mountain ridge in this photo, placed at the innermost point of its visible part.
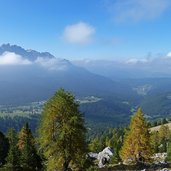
(29, 54)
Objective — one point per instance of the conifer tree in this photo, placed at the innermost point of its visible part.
(108, 142)
(116, 142)
(62, 132)
(168, 158)
(29, 158)
(13, 153)
(94, 145)
(136, 144)
(164, 134)
(155, 141)
(4, 145)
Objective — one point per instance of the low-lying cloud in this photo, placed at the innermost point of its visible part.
(79, 33)
(158, 63)
(136, 61)
(154, 65)
(10, 58)
(168, 55)
(52, 63)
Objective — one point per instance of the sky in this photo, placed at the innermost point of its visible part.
(88, 29)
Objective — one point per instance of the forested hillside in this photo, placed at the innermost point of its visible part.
(62, 142)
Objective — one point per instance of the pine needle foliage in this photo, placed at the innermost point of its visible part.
(4, 145)
(62, 132)
(13, 157)
(136, 144)
(29, 160)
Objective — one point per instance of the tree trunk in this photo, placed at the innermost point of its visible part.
(66, 164)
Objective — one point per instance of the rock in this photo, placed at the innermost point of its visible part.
(165, 169)
(159, 158)
(104, 156)
(92, 155)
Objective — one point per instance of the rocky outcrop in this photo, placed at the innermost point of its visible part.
(103, 157)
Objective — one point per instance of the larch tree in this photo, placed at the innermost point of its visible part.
(136, 146)
(62, 132)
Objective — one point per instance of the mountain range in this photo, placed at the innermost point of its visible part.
(33, 76)
(27, 76)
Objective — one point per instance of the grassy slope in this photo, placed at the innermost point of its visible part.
(156, 128)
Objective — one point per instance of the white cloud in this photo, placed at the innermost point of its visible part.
(136, 61)
(10, 58)
(136, 10)
(52, 63)
(168, 56)
(79, 33)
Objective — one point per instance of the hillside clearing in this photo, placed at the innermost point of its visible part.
(156, 128)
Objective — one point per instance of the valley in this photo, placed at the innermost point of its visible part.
(105, 100)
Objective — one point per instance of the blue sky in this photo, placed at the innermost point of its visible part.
(91, 29)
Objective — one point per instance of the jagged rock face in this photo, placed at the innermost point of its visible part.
(29, 54)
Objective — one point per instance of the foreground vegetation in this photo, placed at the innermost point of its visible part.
(61, 142)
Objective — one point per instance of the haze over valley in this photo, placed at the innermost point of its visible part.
(108, 91)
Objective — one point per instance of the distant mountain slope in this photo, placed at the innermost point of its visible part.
(44, 74)
(151, 86)
(27, 76)
(152, 67)
(157, 106)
